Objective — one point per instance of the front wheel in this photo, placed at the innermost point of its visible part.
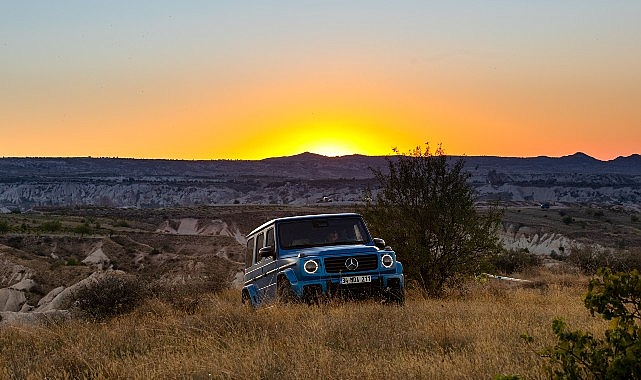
(284, 291)
(246, 299)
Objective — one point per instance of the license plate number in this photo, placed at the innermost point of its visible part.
(355, 279)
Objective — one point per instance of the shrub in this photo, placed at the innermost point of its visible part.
(425, 210)
(82, 229)
(72, 262)
(557, 256)
(589, 258)
(4, 227)
(16, 242)
(512, 261)
(567, 219)
(579, 355)
(121, 223)
(51, 226)
(109, 296)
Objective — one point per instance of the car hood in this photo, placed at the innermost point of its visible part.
(337, 250)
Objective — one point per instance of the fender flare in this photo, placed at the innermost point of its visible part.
(399, 268)
(252, 290)
(290, 275)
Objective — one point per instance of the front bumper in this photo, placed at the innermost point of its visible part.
(381, 286)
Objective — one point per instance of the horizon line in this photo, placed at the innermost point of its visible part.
(578, 153)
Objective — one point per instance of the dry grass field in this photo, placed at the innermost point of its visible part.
(472, 333)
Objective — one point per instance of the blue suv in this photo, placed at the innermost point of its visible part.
(313, 256)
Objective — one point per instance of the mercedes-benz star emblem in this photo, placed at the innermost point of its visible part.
(351, 263)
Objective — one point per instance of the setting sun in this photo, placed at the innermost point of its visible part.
(331, 149)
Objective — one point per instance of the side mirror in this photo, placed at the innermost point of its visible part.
(267, 252)
(379, 243)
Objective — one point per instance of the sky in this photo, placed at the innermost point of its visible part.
(256, 79)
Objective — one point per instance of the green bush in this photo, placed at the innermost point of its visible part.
(121, 223)
(51, 226)
(109, 296)
(4, 227)
(82, 229)
(425, 210)
(567, 219)
(579, 355)
(512, 261)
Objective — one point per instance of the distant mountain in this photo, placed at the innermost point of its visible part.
(301, 179)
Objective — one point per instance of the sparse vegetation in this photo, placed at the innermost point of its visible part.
(121, 223)
(512, 261)
(4, 227)
(51, 226)
(82, 229)
(473, 332)
(189, 326)
(582, 355)
(72, 261)
(589, 258)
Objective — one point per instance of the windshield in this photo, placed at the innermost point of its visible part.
(322, 232)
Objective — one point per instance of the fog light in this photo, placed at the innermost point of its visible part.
(311, 266)
(387, 260)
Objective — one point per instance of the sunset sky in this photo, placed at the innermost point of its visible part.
(256, 79)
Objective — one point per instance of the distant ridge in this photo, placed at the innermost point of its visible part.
(300, 179)
(321, 166)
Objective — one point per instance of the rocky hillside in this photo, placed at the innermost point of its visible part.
(298, 180)
(47, 254)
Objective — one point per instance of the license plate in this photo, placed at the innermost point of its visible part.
(355, 279)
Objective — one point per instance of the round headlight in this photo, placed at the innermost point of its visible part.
(387, 260)
(311, 266)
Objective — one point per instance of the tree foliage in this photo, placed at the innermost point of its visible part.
(424, 208)
(579, 355)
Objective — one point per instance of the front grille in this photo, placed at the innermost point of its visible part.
(338, 264)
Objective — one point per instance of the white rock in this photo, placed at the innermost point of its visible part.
(32, 318)
(11, 299)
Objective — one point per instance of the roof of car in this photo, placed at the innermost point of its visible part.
(303, 217)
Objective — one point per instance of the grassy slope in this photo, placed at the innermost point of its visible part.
(472, 334)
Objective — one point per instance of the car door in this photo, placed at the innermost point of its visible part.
(271, 265)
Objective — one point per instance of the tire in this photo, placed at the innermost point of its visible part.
(284, 291)
(246, 299)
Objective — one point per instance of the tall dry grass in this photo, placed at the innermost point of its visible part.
(473, 333)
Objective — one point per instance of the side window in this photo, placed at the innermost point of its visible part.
(249, 253)
(270, 239)
(259, 244)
